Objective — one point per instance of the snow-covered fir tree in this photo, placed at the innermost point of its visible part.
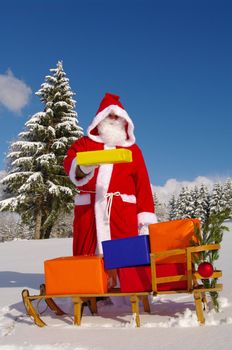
(172, 207)
(194, 193)
(36, 185)
(201, 210)
(160, 209)
(180, 204)
(199, 203)
(227, 189)
(217, 201)
(185, 204)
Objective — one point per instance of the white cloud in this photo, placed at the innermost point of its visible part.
(14, 93)
(173, 187)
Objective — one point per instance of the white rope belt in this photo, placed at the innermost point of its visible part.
(109, 198)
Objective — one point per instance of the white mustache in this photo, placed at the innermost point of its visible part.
(112, 131)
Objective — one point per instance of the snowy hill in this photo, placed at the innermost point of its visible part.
(171, 325)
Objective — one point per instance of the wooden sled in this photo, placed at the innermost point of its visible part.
(79, 301)
(193, 286)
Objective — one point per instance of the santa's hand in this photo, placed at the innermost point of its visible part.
(83, 170)
(87, 169)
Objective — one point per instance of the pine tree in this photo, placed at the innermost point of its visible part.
(217, 201)
(190, 203)
(212, 232)
(202, 203)
(184, 204)
(36, 184)
(227, 189)
(172, 208)
(180, 204)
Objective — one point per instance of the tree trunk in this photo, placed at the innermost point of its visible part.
(47, 232)
(38, 220)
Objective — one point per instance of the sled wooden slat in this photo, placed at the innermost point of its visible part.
(170, 279)
(116, 294)
(50, 302)
(31, 311)
(218, 287)
(169, 253)
(198, 304)
(202, 248)
(216, 274)
(79, 299)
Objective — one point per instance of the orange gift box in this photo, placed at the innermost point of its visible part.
(75, 275)
(175, 234)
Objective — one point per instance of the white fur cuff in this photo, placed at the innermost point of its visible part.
(72, 175)
(87, 169)
(146, 218)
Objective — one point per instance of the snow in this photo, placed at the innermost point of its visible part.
(35, 177)
(47, 159)
(11, 177)
(9, 202)
(62, 104)
(36, 118)
(58, 144)
(51, 129)
(68, 125)
(22, 160)
(28, 145)
(45, 86)
(27, 186)
(171, 325)
(14, 154)
(23, 134)
(56, 189)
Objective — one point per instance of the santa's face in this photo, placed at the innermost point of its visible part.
(112, 130)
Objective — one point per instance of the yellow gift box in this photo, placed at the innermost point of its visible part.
(119, 155)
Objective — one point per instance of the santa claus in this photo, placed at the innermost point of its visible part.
(115, 200)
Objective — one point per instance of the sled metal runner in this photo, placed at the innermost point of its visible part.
(80, 300)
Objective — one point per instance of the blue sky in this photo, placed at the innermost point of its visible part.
(170, 61)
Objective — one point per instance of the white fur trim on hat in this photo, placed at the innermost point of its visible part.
(72, 175)
(103, 114)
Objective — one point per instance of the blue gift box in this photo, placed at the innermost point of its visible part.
(125, 252)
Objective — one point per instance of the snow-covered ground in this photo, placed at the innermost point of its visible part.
(171, 325)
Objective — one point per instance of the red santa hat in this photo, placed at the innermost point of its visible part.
(111, 104)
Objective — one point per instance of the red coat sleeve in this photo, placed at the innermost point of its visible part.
(70, 163)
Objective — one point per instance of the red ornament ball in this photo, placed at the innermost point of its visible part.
(205, 269)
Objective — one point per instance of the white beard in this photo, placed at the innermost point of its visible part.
(112, 131)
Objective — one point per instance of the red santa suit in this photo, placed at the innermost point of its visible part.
(115, 200)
